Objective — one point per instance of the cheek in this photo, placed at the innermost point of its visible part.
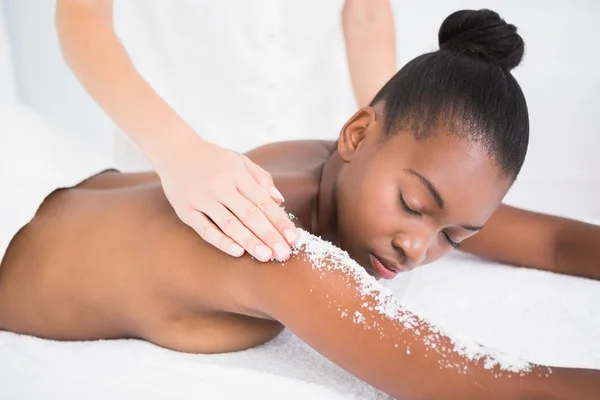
(371, 203)
(380, 201)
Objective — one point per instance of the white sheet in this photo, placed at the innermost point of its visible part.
(540, 316)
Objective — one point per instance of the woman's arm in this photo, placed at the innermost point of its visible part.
(370, 46)
(331, 304)
(529, 239)
(203, 182)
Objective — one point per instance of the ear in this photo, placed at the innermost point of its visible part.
(354, 132)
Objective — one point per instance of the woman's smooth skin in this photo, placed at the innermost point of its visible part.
(236, 204)
(110, 259)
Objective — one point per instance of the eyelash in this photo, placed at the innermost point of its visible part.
(408, 209)
(418, 214)
(450, 241)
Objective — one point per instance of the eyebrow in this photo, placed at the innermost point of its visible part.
(437, 197)
(472, 228)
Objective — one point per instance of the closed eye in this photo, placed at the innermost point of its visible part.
(450, 241)
(407, 208)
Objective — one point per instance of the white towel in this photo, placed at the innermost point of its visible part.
(539, 316)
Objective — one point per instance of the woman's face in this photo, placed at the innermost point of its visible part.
(402, 203)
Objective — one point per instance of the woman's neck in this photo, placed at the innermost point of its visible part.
(324, 221)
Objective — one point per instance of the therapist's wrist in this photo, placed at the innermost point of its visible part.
(166, 146)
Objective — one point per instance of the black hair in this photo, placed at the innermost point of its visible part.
(465, 87)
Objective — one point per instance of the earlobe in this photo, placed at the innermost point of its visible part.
(355, 131)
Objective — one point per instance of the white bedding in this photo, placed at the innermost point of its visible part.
(540, 316)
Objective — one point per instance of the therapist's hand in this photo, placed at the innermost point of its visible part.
(228, 200)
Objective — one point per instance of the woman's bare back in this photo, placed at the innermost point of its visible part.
(100, 263)
(110, 259)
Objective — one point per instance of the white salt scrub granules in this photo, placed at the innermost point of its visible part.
(324, 255)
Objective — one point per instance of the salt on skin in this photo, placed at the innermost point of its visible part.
(324, 255)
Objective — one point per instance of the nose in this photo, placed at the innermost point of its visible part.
(412, 247)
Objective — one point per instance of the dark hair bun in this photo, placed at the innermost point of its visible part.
(483, 34)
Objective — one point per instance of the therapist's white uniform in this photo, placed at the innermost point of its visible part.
(242, 73)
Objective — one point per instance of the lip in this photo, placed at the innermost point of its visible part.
(384, 267)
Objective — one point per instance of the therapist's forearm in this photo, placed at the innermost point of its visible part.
(102, 65)
(370, 46)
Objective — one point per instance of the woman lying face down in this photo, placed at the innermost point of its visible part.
(414, 175)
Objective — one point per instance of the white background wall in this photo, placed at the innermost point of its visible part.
(45, 82)
(560, 76)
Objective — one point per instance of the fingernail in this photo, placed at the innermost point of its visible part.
(290, 235)
(263, 252)
(283, 252)
(236, 250)
(277, 194)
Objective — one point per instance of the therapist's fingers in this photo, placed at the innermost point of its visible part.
(272, 224)
(278, 218)
(264, 179)
(212, 234)
(255, 220)
(235, 228)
